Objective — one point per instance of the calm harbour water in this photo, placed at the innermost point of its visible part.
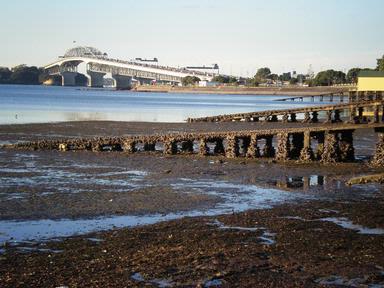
(42, 104)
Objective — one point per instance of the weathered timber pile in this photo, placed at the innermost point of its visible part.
(333, 144)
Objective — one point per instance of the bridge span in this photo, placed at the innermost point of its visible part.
(97, 65)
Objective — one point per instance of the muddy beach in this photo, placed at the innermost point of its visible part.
(230, 223)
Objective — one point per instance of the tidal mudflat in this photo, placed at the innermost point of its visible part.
(109, 219)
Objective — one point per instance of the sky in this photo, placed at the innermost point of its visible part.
(241, 36)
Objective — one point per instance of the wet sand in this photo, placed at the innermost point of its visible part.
(303, 242)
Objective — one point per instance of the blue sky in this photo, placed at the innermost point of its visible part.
(241, 36)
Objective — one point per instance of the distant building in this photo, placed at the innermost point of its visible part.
(208, 84)
(370, 81)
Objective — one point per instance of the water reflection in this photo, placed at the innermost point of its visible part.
(304, 182)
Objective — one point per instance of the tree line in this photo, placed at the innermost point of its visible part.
(264, 76)
(22, 74)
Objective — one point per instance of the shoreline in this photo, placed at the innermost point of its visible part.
(283, 91)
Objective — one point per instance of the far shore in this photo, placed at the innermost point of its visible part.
(289, 91)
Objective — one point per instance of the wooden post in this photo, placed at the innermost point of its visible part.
(307, 118)
(203, 148)
(128, 146)
(331, 153)
(376, 118)
(253, 150)
(285, 118)
(170, 146)
(283, 147)
(232, 150)
(378, 157)
(306, 154)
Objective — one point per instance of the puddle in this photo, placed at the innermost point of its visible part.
(95, 240)
(161, 283)
(213, 283)
(267, 238)
(335, 280)
(41, 250)
(221, 225)
(239, 197)
(344, 223)
(348, 224)
(301, 182)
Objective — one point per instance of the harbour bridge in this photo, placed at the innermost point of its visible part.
(98, 64)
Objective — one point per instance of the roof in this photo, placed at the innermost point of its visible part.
(369, 73)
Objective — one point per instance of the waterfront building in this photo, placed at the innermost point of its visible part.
(370, 81)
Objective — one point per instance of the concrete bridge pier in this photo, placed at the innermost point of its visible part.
(122, 81)
(95, 79)
(68, 78)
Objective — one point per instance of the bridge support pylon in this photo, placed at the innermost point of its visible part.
(122, 82)
(68, 78)
(95, 79)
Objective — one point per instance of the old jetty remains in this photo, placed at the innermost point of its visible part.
(328, 113)
(326, 144)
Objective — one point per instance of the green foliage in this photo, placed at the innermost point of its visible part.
(253, 82)
(262, 74)
(190, 80)
(273, 77)
(380, 64)
(5, 75)
(23, 74)
(225, 79)
(353, 73)
(329, 77)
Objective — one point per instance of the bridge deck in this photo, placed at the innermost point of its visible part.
(269, 113)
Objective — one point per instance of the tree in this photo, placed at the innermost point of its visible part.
(190, 80)
(329, 77)
(5, 75)
(224, 79)
(23, 74)
(380, 64)
(262, 74)
(352, 75)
